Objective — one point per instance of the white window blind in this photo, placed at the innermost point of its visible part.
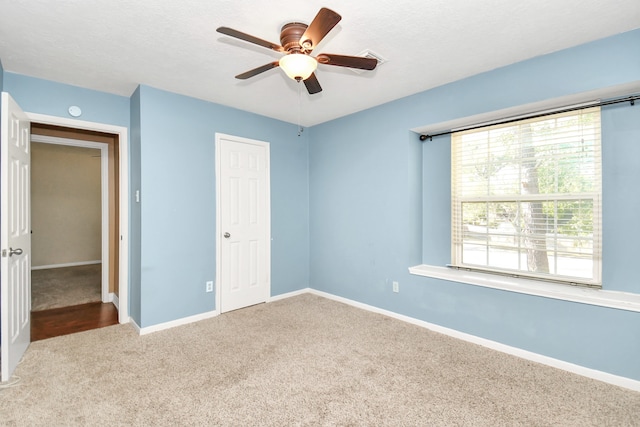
(526, 198)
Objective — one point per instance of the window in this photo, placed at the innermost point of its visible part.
(526, 198)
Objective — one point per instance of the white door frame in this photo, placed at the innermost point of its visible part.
(219, 231)
(123, 155)
(104, 197)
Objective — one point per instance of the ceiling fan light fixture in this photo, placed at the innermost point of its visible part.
(298, 66)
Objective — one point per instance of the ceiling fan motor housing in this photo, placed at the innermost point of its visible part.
(290, 36)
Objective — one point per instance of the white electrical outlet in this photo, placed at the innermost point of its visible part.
(210, 286)
(396, 287)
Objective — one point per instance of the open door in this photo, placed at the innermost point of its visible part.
(15, 240)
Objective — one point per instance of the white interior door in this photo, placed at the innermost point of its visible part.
(244, 242)
(15, 229)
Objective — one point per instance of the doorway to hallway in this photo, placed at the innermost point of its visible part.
(75, 231)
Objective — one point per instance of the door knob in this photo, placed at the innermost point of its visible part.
(15, 251)
(226, 236)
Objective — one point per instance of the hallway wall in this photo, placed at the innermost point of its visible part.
(66, 210)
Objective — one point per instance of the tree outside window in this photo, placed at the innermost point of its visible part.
(526, 197)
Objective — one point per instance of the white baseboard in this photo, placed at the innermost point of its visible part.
(514, 351)
(289, 295)
(69, 264)
(113, 298)
(197, 317)
(174, 323)
(135, 325)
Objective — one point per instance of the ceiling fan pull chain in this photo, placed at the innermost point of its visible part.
(300, 128)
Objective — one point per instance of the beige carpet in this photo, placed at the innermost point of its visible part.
(63, 287)
(303, 361)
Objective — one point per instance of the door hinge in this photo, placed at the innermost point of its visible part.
(4, 253)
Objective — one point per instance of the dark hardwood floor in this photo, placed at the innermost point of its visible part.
(68, 320)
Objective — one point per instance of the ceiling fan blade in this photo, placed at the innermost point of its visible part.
(251, 39)
(256, 71)
(359, 62)
(324, 21)
(312, 84)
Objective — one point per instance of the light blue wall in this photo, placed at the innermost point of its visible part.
(178, 197)
(363, 190)
(54, 99)
(621, 197)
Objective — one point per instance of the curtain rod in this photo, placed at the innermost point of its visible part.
(631, 99)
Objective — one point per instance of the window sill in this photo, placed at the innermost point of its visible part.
(611, 299)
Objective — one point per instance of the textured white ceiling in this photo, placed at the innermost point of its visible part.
(114, 45)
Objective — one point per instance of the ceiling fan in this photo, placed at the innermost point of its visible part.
(297, 42)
